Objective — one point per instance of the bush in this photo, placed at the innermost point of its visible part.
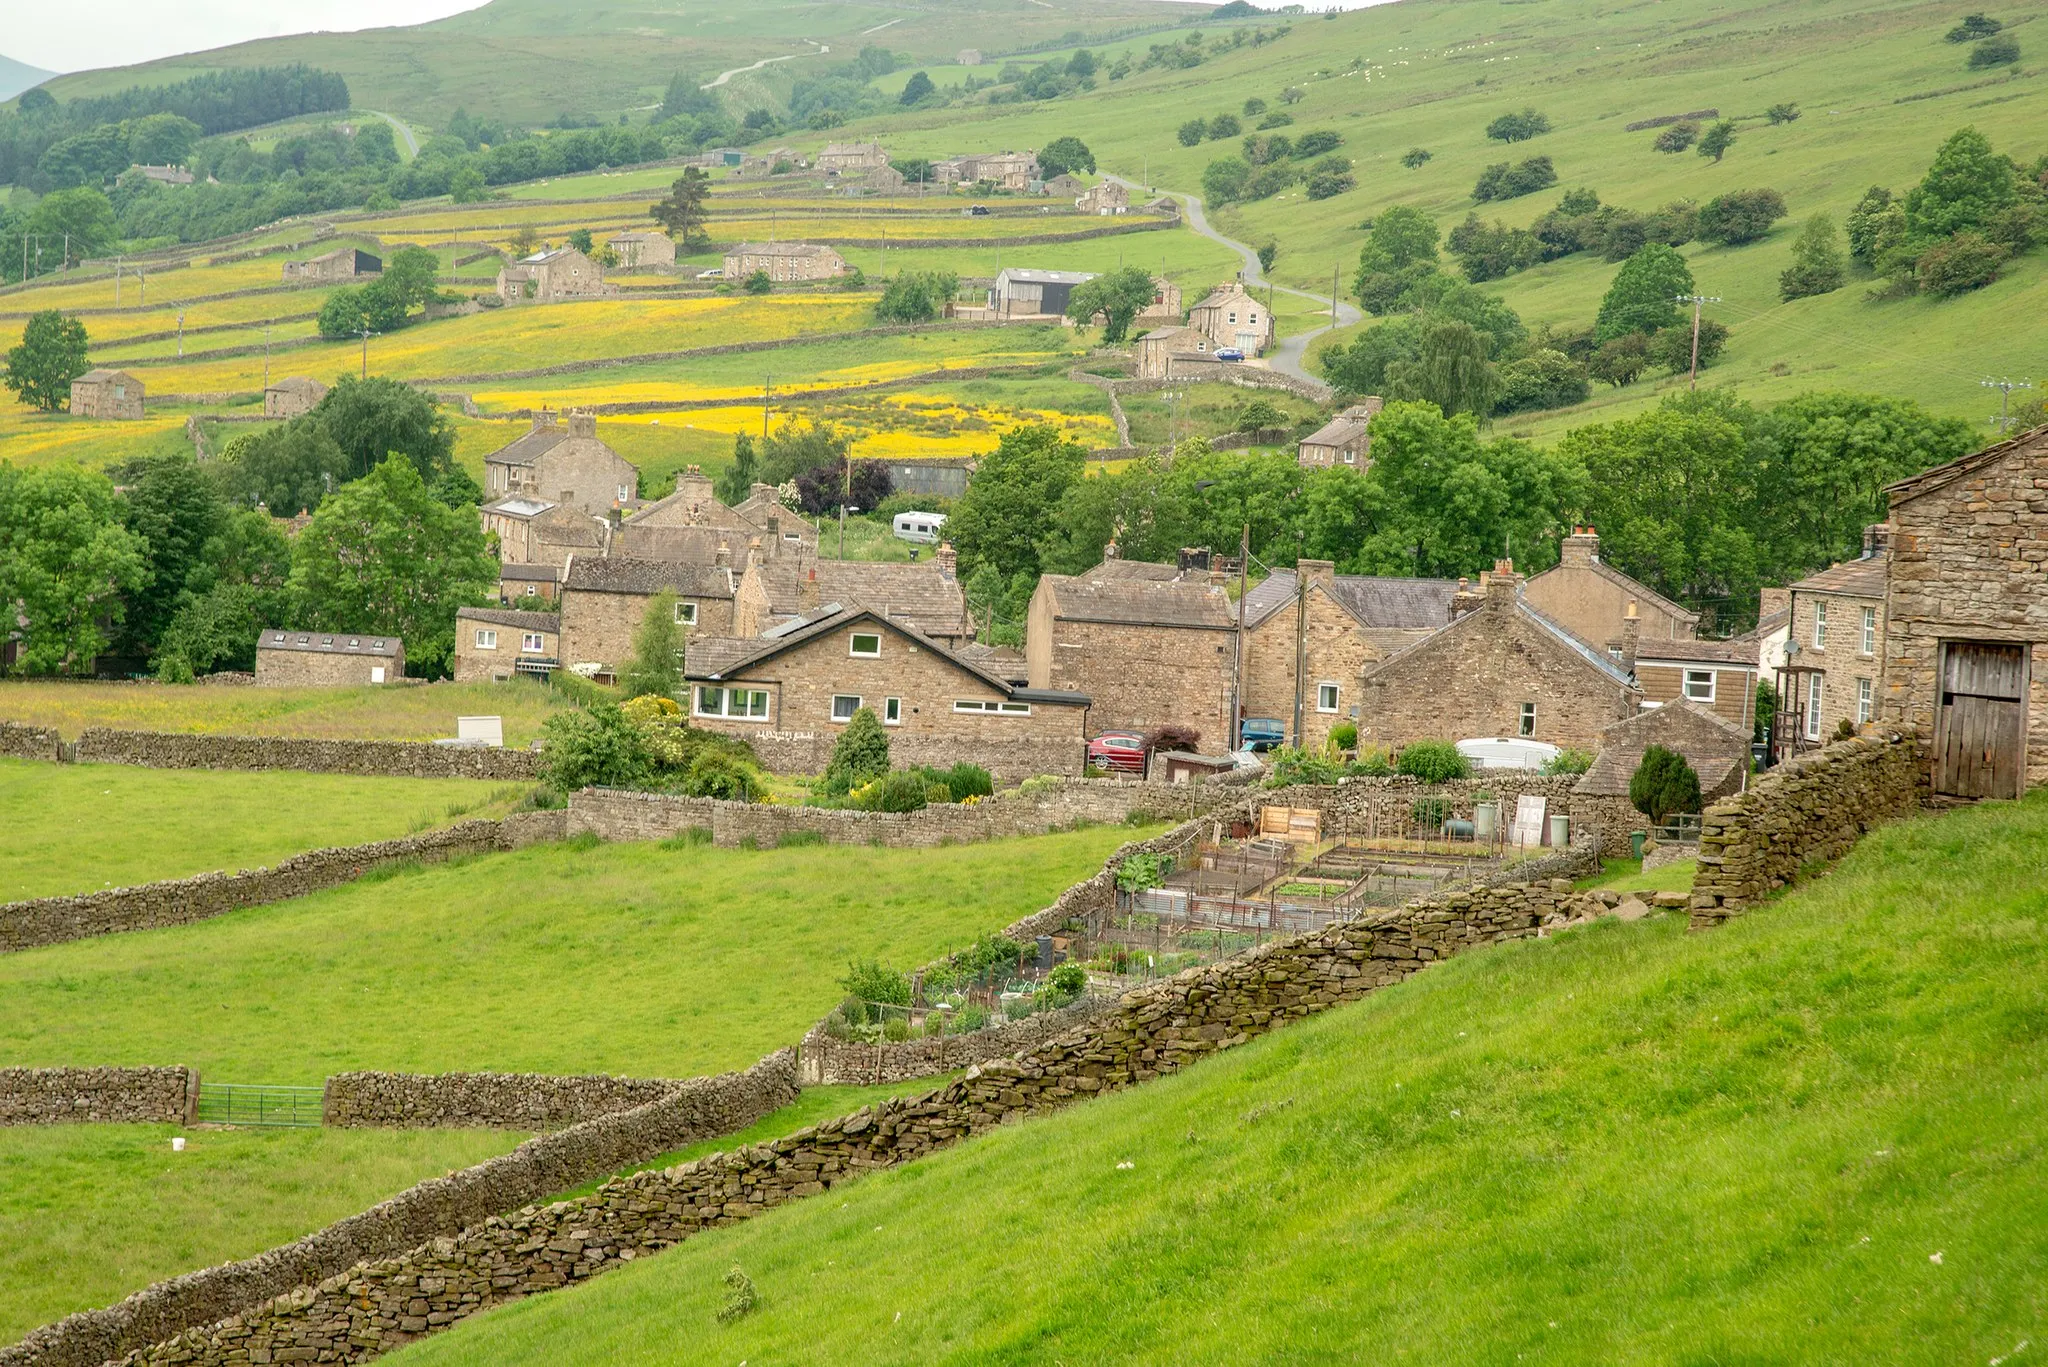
(1965, 262)
(903, 791)
(860, 754)
(2001, 51)
(1620, 361)
(1433, 761)
(740, 1296)
(1782, 113)
(1316, 143)
(868, 982)
(1414, 157)
(916, 296)
(1069, 980)
(972, 1017)
(1140, 871)
(1973, 27)
(1569, 761)
(720, 775)
(1678, 137)
(1291, 765)
(1192, 132)
(592, 746)
(1740, 216)
(1502, 181)
(1371, 763)
(1672, 347)
(1542, 379)
(965, 780)
(1173, 736)
(759, 283)
(896, 1029)
(1330, 184)
(1224, 126)
(1344, 735)
(1663, 784)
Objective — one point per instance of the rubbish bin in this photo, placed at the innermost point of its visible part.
(1485, 819)
(1635, 842)
(1560, 831)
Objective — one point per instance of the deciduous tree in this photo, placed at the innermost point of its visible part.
(51, 354)
(1645, 293)
(66, 563)
(1119, 296)
(1003, 514)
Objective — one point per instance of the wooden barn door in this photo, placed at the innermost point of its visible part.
(1980, 736)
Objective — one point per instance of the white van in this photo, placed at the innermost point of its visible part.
(1504, 752)
(920, 527)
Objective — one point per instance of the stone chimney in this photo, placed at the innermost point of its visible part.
(1877, 539)
(1631, 634)
(1109, 551)
(1322, 572)
(774, 536)
(754, 556)
(759, 490)
(1466, 599)
(583, 424)
(723, 558)
(543, 421)
(1502, 585)
(807, 591)
(947, 559)
(694, 485)
(1580, 550)
(1775, 600)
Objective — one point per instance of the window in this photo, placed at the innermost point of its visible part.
(1699, 685)
(1233, 316)
(531, 591)
(1813, 706)
(1528, 719)
(1326, 697)
(1863, 701)
(1014, 709)
(530, 643)
(1820, 625)
(686, 614)
(892, 711)
(866, 646)
(625, 492)
(1870, 631)
(749, 704)
(844, 705)
(486, 639)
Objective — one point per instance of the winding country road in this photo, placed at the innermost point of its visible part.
(1288, 356)
(412, 144)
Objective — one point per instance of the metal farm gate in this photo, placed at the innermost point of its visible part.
(1980, 728)
(241, 1103)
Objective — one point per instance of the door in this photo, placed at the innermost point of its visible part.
(1980, 733)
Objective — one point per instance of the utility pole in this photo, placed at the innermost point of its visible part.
(1244, 562)
(366, 350)
(2003, 422)
(181, 344)
(1696, 300)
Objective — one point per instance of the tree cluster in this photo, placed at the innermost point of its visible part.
(386, 303)
(1505, 181)
(1273, 161)
(1973, 211)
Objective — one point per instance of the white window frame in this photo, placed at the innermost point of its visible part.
(892, 711)
(1692, 676)
(686, 614)
(532, 643)
(838, 698)
(1328, 691)
(853, 645)
(754, 703)
(1820, 625)
(486, 639)
(1870, 631)
(1813, 704)
(1528, 721)
(1866, 700)
(1008, 709)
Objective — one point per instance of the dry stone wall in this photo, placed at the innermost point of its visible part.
(1808, 810)
(382, 1303)
(1360, 801)
(97, 1096)
(30, 742)
(829, 1062)
(403, 758)
(499, 1101)
(435, 1210)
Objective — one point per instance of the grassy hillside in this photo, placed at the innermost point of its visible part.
(652, 960)
(82, 827)
(1813, 1135)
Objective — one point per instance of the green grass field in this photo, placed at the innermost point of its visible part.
(411, 713)
(89, 1213)
(83, 827)
(1812, 1135)
(646, 959)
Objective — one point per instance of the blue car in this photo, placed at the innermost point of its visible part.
(1262, 733)
(1229, 353)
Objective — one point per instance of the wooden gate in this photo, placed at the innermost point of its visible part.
(1980, 731)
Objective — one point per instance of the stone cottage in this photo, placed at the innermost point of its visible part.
(343, 263)
(1164, 311)
(1834, 653)
(790, 695)
(1966, 640)
(1501, 668)
(784, 261)
(327, 659)
(534, 531)
(562, 463)
(1106, 198)
(528, 585)
(1165, 352)
(549, 276)
(1717, 750)
(1151, 644)
(494, 644)
(1313, 632)
(604, 601)
(638, 250)
(293, 395)
(1344, 440)
(1232, 317)
(851, 158)
(106, 394)
(1594, 601)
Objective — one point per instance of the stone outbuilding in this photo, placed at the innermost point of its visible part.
(1595, 602)
(791, 694)
(1717, 750)
(1151, 644)
(1233, 317)
(605, 599)
(327, 659)
(1167, 351)
(1165, 310)
(528, 585)
(1021, 292)
(639, 250)
(562, 463)
(1501, 668)
(292, 396)
(1966, 604)
(495, 644)
(1834, 652)
(343, 263)
(1344, 440)
(549, 276)
(784, 261)
(106, 394)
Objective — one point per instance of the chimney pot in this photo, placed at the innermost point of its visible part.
(1580, 549)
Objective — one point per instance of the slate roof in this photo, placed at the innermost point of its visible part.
(1641, 591)
(778, 249)
(1599, 658)
(514, 571)
(1372, 600)
(509, 617)
(528, 448)
(711, 656)
(1139, 593)
(619, 574)
(1736, 651)
(919, 593)
(1864, 578)
(1711, 744)
(104, 377)
(298, 384)
(1915, 485)
(329, 642)
(1769, 624)
(1027, 275)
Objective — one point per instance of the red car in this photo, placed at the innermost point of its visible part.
(1118, 752)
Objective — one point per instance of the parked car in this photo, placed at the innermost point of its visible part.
(1507, 752)
(1229, 353)
(1262, 733)
(1118, 752)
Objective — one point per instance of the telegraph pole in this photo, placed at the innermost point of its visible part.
(1300, 645)
(367, 334)
(2003, 422)
(1696, 300)
(266, 348)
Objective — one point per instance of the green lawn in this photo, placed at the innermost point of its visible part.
(90, 1213)
(83, 827)
(1813, 1135)
(1626, 875)
(641, 959)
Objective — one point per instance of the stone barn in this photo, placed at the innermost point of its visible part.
(637, 250)
(327, 659)
(548, 276)
(290, 397)
(343, 263)
(106, 394)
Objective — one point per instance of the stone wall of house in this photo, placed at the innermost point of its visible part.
(825, 1061)
(176, 901)
(1846, 665)
(98, 1096)
(1137, 677)
(382, 1303)
(436, 1210)
(404, 758)
(30, 742)
(616, 814)
(497, 1101)
(1807, 810)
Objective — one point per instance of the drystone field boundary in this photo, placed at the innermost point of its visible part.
(202, 750)
(98, 1096)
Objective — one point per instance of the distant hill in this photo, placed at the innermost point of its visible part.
(16, 77)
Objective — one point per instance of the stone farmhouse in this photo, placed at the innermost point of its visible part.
(639, 250)
(562, 464)
(106, 394)
(1313, 633)
(1716, 748)
(533, 531)
(1594, 601)
(343, 263)
(1344, 440)
(1003, 170)
(851, 158)
(1966, 618)
(327, 659)
(791, 694)
(1021, 293)
(604, 600)
(1834, 657)
(161, 175)
(290, 397)
(924, 595)
(1231, 317)
(1167, 351)
(784, 261)
(1149, 643)
(493, 644)
(1108, 197)
(549, 276)
(694, 503)
(528, 585)
(1500, 668)
(1718, 676)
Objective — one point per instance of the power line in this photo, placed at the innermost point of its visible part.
(2003, 422)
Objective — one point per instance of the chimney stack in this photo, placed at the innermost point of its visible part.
(543, 421)
(1502, 585)
(1877, 539)
(583, 424)
(1631, 635)
(1109, 551)
(947, 558)
(807, 591)
(1322, 572)
(1775, 600)
(1580, 550)
(1466, 599)
(723, 559)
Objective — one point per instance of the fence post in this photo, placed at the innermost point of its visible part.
(191, 1096)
